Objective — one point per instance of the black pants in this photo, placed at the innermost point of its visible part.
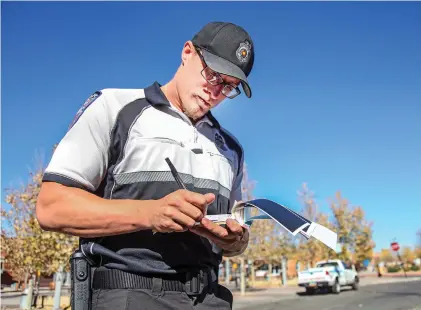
(142, 299)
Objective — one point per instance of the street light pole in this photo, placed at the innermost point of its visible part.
(57, 292)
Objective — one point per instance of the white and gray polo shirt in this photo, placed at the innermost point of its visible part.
(116, 148)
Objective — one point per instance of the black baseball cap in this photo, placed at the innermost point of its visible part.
(227, 49)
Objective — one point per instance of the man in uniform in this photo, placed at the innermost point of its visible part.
(108, 180)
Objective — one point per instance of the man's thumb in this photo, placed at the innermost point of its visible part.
(209, 198)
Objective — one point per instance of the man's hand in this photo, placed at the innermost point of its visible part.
(233, 238)
(179, 211)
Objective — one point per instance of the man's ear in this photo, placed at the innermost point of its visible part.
(187, 52)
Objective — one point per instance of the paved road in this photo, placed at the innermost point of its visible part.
(390, 296)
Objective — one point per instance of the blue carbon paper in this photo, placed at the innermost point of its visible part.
(281, 214)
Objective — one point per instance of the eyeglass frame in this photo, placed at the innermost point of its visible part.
(236, 88)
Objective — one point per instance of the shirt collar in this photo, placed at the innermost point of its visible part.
(212, 120)
(155, 96)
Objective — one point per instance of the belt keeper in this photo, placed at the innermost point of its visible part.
(156, 286)
(195, 284)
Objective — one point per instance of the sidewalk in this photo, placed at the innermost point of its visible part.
(261, 291)
(391, 274)
(388, 279)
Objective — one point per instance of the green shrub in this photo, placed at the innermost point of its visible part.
(415, 268)
(393, 268)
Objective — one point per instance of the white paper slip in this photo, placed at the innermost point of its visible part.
(324, 235)
(288, 219)
(219, 218)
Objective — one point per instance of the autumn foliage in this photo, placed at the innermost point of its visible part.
(269, 242)
(28, 248)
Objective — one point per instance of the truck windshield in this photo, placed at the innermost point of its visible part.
(332, 264)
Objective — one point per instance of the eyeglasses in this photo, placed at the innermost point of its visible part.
(214, 78)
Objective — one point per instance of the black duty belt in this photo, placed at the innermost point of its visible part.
(193, 283)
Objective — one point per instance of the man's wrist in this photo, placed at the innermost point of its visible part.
(244, 241)
(229, 253)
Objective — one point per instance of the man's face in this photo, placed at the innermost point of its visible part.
(197, 95)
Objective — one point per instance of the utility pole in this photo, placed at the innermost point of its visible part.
(227, 271)
(242, 276)
(284, 271)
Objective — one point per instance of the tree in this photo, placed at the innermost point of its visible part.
(417, 252)
(261, 240)
(386, 256)
(258, 241)
(408, 255)
(268, 241)
(354, 232)
(363, 236)
(310, 251)
(343, 225)
(28, 248)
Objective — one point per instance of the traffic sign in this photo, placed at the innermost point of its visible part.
(395, 246)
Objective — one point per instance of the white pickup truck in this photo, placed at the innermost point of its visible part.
(332, 274)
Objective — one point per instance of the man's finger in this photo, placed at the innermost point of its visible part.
(215, 229)
(210, 236)
(191, 210)
(183, 219)
(209, 198)
(235, 227)
(199, 200)
(203, 232)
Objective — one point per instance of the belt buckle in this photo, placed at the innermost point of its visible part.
(195, 282)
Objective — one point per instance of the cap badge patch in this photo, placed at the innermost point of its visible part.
(243, 51)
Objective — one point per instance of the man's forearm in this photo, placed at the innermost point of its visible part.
(79, 213)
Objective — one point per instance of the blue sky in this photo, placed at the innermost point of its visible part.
(336, 91)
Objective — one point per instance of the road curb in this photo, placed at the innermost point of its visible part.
(10, 295)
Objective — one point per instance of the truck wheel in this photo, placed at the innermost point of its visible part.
(336, 288)
(356, 284)
(309, 290)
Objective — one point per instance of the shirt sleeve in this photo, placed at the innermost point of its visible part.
(81, 157)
